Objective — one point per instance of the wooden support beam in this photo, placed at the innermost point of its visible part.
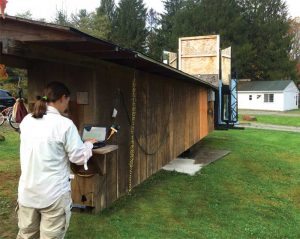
(198, 55)
(31, 51)
(12, 61)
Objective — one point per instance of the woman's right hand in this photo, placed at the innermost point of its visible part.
(91, 140)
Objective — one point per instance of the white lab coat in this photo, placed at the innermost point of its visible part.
(47, 146)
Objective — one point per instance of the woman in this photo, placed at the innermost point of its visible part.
(48, 142)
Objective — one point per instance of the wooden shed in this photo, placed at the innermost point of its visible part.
(162, 111)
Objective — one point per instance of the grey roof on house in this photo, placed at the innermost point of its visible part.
(276, 85)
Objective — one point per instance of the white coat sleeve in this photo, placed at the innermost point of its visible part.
(78, 152)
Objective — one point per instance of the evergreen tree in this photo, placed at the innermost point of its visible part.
(207, 17)
(268, 40)
(152, 20)
(210, 17)
(107, 11)
(91, 23)
(154, 41)
(256, 30)
(61, 18)
(167, 34)
(107, 8)
(129, 26)
(81, 20)
(223, 18)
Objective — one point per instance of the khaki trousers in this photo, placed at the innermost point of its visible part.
(50, 222)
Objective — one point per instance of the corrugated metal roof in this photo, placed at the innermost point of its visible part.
(108, 51)
(276, 85)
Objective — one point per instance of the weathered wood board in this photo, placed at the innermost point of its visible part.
(199, 55)
(226, 66)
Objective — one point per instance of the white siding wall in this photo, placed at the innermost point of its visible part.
(290, 101)
(291, 97)
(257, 103)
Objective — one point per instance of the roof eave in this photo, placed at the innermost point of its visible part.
(193, 78)
(261, 91)
(131, 53)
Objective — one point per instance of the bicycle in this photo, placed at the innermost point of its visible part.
(7, 114)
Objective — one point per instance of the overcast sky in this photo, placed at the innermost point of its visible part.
(47, 8)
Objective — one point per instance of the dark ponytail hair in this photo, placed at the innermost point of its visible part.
(53, 92)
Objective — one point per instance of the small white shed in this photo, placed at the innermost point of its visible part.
(280, 95)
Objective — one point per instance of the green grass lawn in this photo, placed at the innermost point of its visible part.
(251, 193)
(276, 120)
(9, 175)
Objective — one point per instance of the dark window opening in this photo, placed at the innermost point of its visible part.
(269, 98)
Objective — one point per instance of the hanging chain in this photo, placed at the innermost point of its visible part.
(132, 133)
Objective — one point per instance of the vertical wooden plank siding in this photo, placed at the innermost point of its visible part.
(111, 178)
(170, 142)
(150, 130)
(141, 131)
(186, 110)
(170, 113)
(203, 113)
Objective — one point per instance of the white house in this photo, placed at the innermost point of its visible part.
(280, 95)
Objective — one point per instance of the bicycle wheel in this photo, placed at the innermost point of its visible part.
(12, 122)
(2, 119)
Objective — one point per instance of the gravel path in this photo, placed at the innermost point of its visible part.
(271, 127)
(261, 112)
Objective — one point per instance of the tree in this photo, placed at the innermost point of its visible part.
(61, 18)
(153, 40)
(295, 34)
(206, 17)
(26, 15)
(214, 17)
(129, 27)
(11, 84)
(167, 34)
(256, 30)
(268, 40)
(209, 17)
(107, 8)
(106, 13)
(152, 20)
(295, 46)
(91, 23)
